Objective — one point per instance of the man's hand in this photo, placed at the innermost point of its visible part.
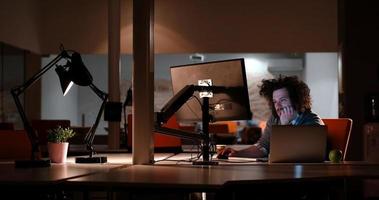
(287, 114)
(226, 153)
(250, 152)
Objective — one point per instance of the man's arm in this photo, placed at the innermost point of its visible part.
(251, 152)
(258, 150)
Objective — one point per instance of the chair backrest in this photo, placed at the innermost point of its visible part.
(161, 142)
(41, 128)
(213, 128)
(81, 132)
(6, 126)
(339, 133)
(14, 144)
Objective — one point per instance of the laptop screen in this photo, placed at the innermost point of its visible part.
(293, 144)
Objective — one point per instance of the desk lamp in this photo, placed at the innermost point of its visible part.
(77, 73)
(73, 71)
(127, 102)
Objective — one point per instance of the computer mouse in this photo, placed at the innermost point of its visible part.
(222, 156)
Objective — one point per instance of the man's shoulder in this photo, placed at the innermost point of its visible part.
(310, 118)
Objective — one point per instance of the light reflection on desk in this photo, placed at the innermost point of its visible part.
(121, 158)
(298, 171)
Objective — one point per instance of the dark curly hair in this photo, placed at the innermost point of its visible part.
(298, 91)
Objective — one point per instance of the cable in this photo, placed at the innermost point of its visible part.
(191, 159)
(198, 100)
(166, 159)
(193, 112)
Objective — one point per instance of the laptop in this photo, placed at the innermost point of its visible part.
(297, 144)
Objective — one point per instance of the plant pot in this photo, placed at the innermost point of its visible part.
(58, 152)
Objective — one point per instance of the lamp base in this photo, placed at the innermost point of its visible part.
(205, 163)
(32, 163)
(100, 159)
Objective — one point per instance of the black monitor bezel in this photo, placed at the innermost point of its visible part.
(245, 100)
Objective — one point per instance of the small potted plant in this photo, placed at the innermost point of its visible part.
(57, 143)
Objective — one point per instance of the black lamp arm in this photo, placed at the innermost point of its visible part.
(20, 89)
(33, 138)
(88, 140)
(98, 92)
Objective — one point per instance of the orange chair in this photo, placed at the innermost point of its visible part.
(339, 133)
(41, 126)
(213, 128)
(6, 126)
(161, 142)
(14, 144)
(232, 127)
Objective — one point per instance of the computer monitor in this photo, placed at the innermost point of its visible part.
(231, 104)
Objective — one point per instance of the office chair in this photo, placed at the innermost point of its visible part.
(41, 126)
(162, 143)
(6, 126)
(339, 133)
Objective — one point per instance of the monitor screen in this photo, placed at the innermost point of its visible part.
(233, 104)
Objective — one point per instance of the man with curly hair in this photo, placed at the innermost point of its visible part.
(290, 102)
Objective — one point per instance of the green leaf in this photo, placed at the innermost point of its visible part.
(60, 134)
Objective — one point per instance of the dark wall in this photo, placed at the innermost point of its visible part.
(359, 33)
(11, 75)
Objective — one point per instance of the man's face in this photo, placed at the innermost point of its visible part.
(281, 100)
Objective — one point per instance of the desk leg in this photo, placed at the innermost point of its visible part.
(85, 195)
(110, 195)
(353, 189)
(297, 190)
(201, 196)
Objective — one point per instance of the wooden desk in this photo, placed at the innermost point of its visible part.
(11, 176)
(230, 179)
(214, 177)
(119, 175)
(60, 172)
(44, 183)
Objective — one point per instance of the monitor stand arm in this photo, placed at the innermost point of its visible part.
(206, 141)
(174, 105)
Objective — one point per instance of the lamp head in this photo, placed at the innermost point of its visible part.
(73, 72)
(64, 77)
(78, 72)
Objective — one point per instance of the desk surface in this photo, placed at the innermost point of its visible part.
(57, 172)
(214, 177)
(60, 172)
(119, 173)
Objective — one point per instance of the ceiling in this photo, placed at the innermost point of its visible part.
(210, 26)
